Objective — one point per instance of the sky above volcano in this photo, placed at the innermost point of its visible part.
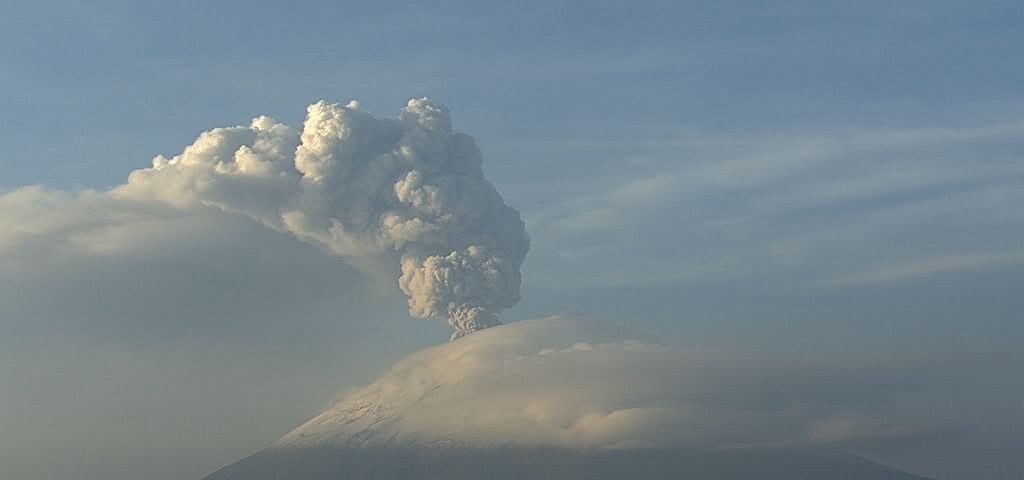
(817, 180)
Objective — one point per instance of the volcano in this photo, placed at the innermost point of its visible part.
(549, 399)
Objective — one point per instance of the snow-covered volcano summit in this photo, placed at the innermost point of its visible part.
(470, 391)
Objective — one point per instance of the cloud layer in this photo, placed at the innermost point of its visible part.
(566, 383)
(103, 267)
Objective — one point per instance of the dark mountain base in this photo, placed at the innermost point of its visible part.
(553, 464)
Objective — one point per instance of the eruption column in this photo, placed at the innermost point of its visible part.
(357, 185)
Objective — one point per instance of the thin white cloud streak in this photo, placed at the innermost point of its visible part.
(929, 266)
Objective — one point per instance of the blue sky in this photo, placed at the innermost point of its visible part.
(811, 177)
(129, 79)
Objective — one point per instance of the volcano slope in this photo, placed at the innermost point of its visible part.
(554, 464)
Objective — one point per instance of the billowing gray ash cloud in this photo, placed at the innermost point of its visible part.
(356, 184)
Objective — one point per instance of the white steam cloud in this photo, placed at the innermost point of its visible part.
(356, 184)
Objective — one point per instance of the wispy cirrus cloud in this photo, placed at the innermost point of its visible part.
(696, 208)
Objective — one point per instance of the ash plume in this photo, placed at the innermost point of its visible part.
(356, 184)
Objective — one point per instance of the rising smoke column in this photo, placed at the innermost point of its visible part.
(356, 184)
